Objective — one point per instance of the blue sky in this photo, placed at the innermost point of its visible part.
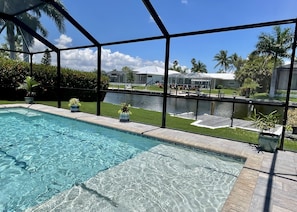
(116, 20)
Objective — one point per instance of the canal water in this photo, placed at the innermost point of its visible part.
(189, 108)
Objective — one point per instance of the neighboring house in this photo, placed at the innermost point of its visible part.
(211, 80)
(280, 79)
(227, 80)
(118, 76)
(115, 76)
(149, 75)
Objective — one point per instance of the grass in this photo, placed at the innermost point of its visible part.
(155, 118)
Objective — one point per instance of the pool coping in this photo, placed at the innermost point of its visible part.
(241, 195)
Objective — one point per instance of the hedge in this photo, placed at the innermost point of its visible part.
(73, 83)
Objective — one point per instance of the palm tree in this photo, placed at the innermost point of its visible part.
(223, 60)
(27, 39)
(198, 67)
(275, 45)
(32, 20)
(175, 65)
(201, 67)
(193, 61)
(236, 62)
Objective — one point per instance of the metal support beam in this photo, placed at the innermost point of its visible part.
(74, 22)
(164, 31)
(289, 87)
(234, 28)
(165, 82)
(98, 80)
(29, 30)
(31, 64)
(58, 91)
(156, 17)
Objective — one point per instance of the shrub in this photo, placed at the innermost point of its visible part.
(72, 83)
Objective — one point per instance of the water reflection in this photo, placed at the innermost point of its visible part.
(178, 105)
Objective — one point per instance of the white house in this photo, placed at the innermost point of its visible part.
(153, 74)
(149, 75)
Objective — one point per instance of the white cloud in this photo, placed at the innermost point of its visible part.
(184, 1)
(63, 41)
(86, 59)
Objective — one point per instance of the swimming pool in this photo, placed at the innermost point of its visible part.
(42, 155)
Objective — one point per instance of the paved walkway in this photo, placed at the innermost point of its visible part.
(214, 122)
(268, 181)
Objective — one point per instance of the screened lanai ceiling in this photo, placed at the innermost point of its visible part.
(15, 7)
(120, 25)
(174, 15)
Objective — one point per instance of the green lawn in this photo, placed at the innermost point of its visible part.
(155, 118)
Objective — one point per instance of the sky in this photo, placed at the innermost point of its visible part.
(117, 20)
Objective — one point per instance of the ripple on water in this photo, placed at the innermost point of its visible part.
(165, 178)
(137, 174)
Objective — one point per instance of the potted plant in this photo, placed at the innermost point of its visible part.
(29, 84)
(268, 141)
(74, 104)
(125, 112)
(292, 120)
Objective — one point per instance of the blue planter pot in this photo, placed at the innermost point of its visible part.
(74, 108)
(124, 117)
(29, 99)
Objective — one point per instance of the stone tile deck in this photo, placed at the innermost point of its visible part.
(268, 182)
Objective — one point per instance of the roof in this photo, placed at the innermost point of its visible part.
(223, 76)
(154, 70)
(287, 66)
(196, 75)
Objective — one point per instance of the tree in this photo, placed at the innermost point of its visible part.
(257, 68)
(223, 60)
(275, 45)
(176, 67)
(249, 86)
(27, 39)
(236, 62)
(198, 67)
(4, 53)
(47, 58)
(129, 74)
(30, 18)
(201, 67)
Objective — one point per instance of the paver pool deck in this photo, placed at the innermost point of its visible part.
(267, 182)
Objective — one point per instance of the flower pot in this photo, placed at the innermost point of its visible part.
(268, 141)
(74, 108)
(29, 99)
(124, 117)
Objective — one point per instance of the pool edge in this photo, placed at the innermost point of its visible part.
(240, 196)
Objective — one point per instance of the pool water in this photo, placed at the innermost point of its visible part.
(42, 155)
